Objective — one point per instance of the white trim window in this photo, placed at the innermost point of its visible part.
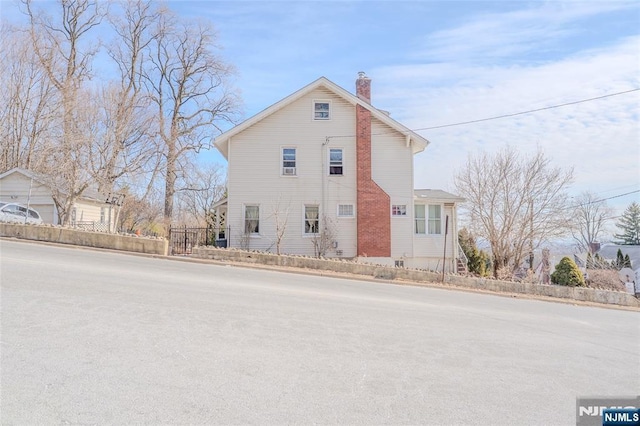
(435, 219)
(420, 219)
(289, 162)
(252, 219)
(345, 210)
(432, 224)
(321, 110)
(311, 220)
(399, 210)
(335, 161)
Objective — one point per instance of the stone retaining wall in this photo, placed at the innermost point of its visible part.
(389, 273)
(85, 238)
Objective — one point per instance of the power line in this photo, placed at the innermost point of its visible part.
(497, 117)
(604, 199)
(529, 111)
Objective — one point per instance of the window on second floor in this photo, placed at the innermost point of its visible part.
(289, 162)
(335, 161)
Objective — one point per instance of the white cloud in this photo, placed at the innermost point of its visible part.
(599, 139)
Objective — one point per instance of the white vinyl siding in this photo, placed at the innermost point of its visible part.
(18, 188)
(255, 155)
(392, 170)
(432, 245)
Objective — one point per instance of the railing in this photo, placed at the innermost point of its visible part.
(182, 239)
(462, 260)
(91, 226)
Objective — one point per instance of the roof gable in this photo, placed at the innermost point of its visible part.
(88, 194)
(418, 142)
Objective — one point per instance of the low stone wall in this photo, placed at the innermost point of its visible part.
(391, 273)
(56, 234)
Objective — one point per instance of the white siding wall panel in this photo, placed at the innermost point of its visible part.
(433, 245)
(14, 188)
(255, 174)
(392, 170)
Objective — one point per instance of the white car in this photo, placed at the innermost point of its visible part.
(12, 212)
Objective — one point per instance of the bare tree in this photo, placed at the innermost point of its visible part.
(65, 55)
(589, 220)
(323, 240)
(27, 102)
(200, 188)
(189, 86)
(514, 203)
(141, 214)
(280, 215)
(126, 145)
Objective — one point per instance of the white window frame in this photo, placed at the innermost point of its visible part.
(341, 165)
(399, 210)
(422, 219)
(245, 227)
(304, 221)
(426, 220)
(288, 171)
(353, 211)
(435, 220)
(314, 111)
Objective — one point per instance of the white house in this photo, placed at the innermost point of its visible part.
(26, 187)
(324, 169)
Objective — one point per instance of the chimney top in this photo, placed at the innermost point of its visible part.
(363, 87)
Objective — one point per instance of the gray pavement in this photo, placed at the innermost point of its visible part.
(91, 337)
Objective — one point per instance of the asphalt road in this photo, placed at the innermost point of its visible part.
(92, 337)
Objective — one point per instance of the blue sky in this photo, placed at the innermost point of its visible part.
(435, 63)
(440, 62)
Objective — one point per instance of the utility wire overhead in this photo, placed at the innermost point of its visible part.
(529, 111)
(497, 117)
(603, 199)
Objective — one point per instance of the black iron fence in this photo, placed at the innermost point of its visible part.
(182, 239)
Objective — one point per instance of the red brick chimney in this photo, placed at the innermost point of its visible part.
(373, 211)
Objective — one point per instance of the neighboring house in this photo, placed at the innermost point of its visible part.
(610, 252)
(324, 169)
(26, 187)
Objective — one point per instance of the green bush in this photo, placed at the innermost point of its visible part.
(567, 273)
(478, 262)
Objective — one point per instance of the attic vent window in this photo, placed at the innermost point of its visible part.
(321, 110)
